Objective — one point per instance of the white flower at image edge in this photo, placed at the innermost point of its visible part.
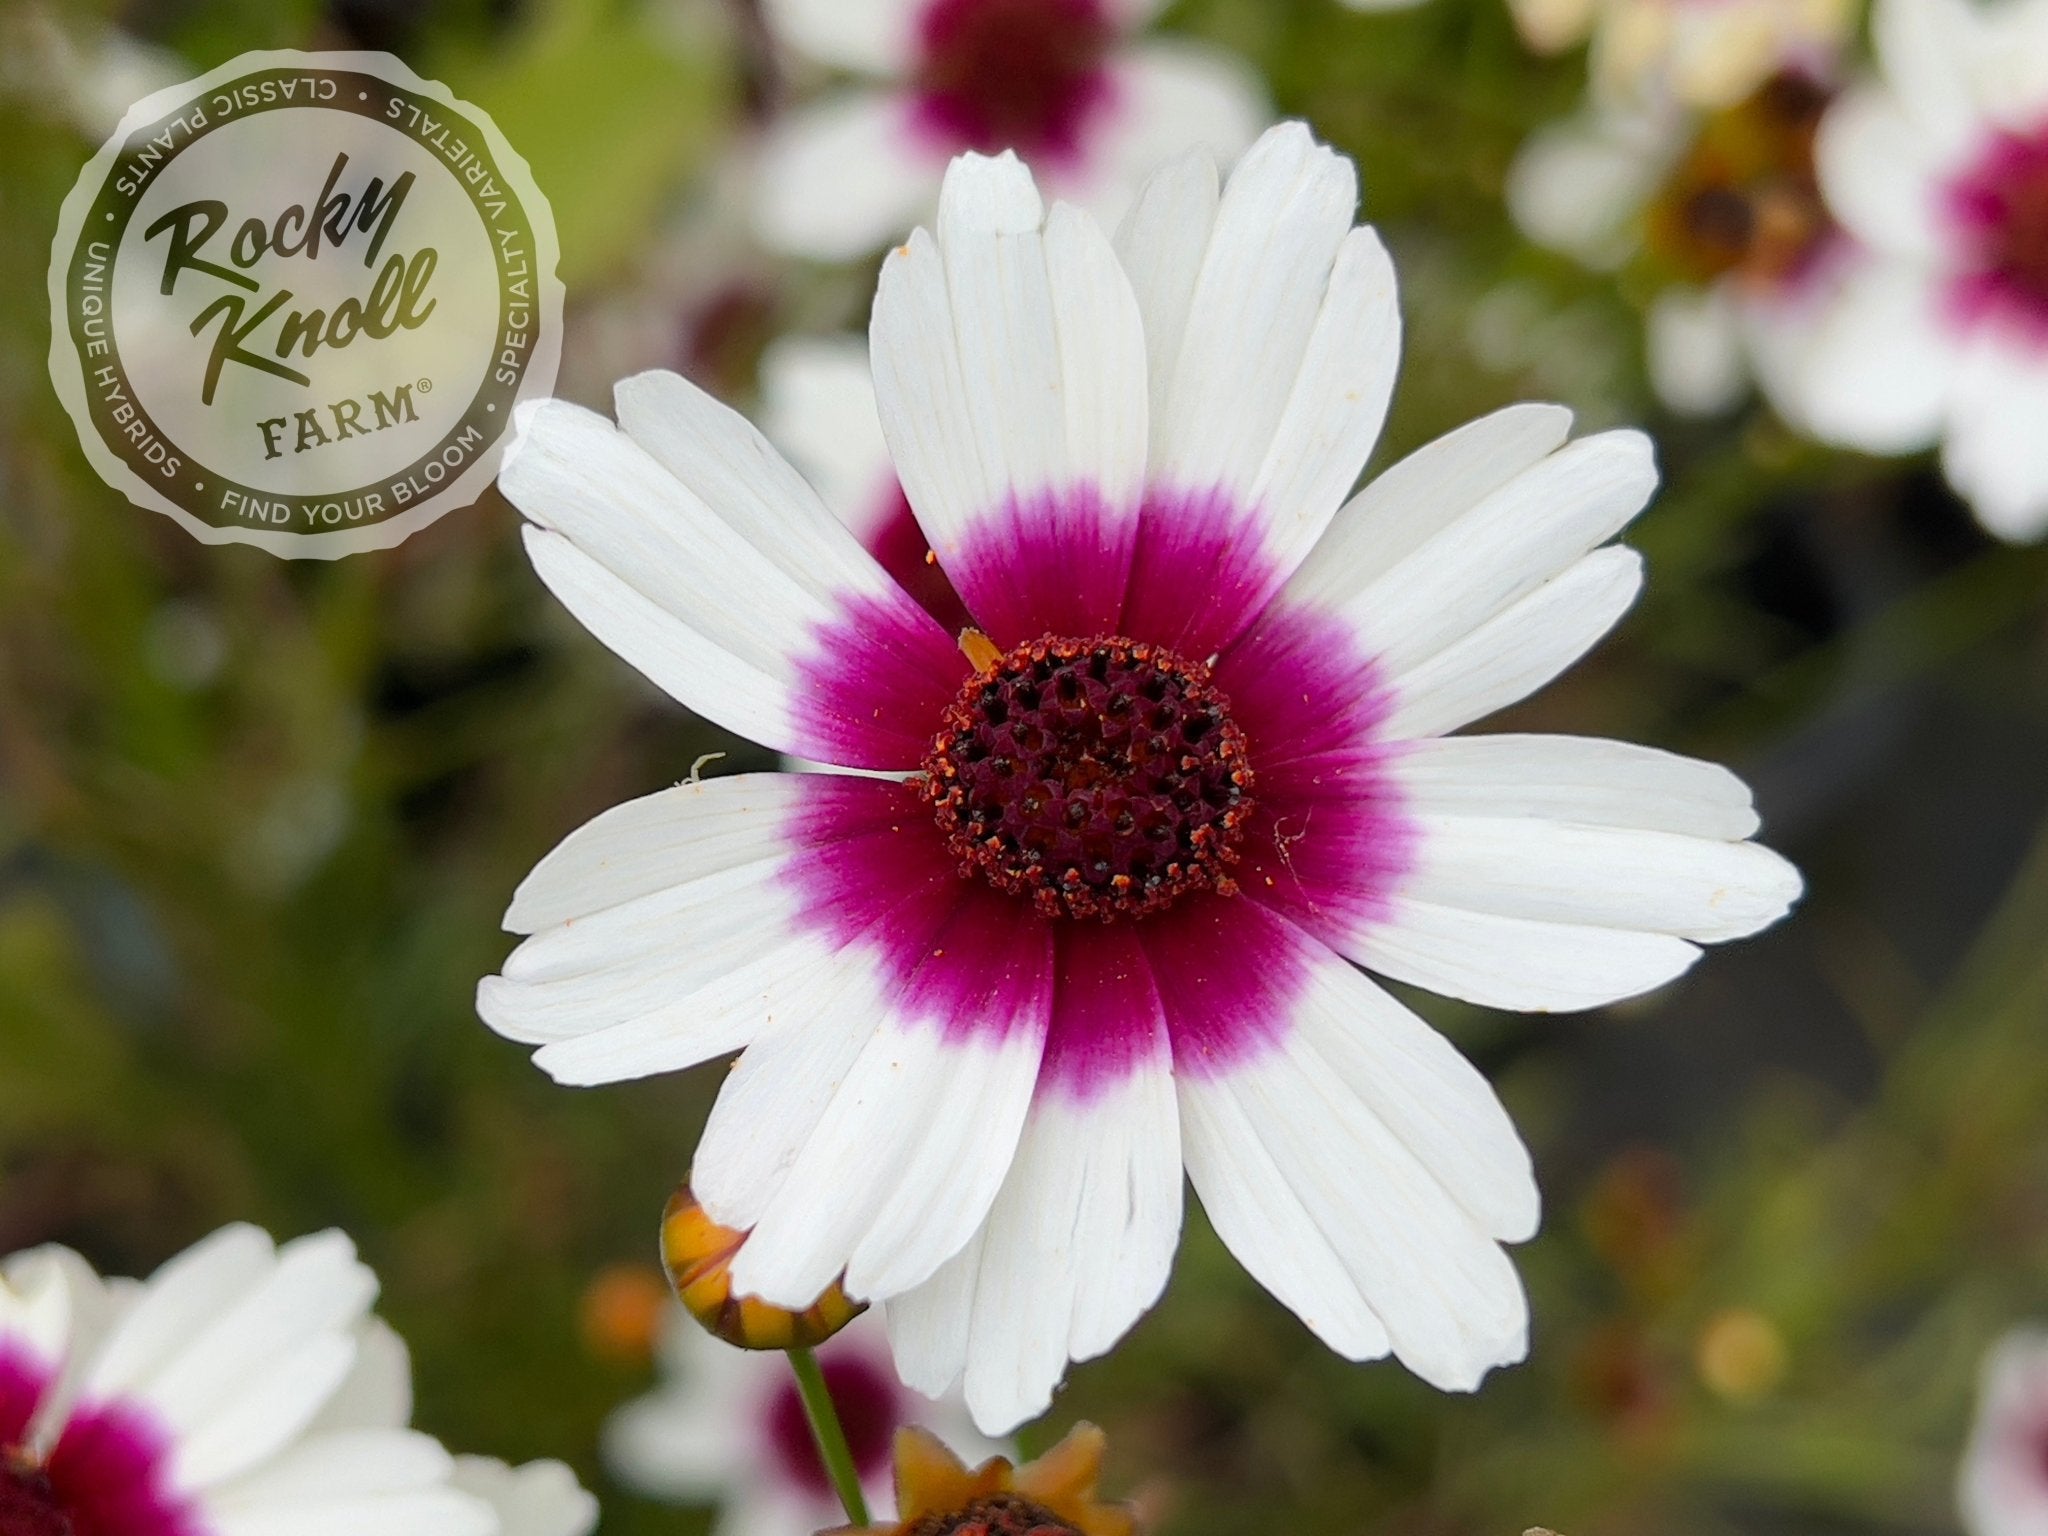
(242, 1390)
(1099, 904)
(1068, 84)
(725, 1427)
(1940, 167)
(2003, 1484)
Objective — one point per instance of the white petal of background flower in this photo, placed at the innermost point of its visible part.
(2002, 1485)
(278, 1401)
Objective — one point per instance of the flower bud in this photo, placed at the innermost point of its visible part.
(698, 1253)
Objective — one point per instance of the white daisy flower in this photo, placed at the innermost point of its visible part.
(2003, 1485)
(1069, 84)
(1096, 907)
(727, 1428)
(243, 1390)
(1941, 168)
(1721, 214)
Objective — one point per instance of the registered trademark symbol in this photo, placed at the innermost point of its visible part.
(425, 386)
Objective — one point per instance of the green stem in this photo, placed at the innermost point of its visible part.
(825, 1428)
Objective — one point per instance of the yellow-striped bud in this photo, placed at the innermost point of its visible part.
(698, 1253)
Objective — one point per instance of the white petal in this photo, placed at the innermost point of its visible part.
(364, 1462)
(1379, 1184)
(1161, 244)
(256, 1372)
(1516, 962)
(1931, 52)
(1009, 363)
(975, 1098)
(1517, 651)
(425, 1512)
(1256, 304)
(1882, 364)
(1423, 494)
(271, 1404)
(876, 36)
(1571, 778)
(35, 1310)
(658, 842)
(1997, 449)
(1881, 174)
(1076, 1247)
(818, 406)
(662, 934)
(1611, 877)
(187, 1293)
(1530, 530)
(844, 176)
(1578, 186)
(1697, 364)
(760, 978)
(929, 1326)
(717, 597)
(1999, 1487)
(912, 1104)
(541, 1498)
(378, 1391)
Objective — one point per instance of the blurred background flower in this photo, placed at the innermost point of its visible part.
(726, 1428)
(257, 821)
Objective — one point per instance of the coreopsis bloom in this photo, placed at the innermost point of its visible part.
(726, 1427)
(242, 1390)
(1940, 166)
(1719, 215)
(2003, 1484)
(1094, 905)
(1072, 85)
(1694, 53)
(1053, 1496)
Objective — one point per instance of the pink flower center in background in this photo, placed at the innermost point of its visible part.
(2001, 207)
(870, 1408)
(1012, 74)
(1100, 778)
(104, 1477)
